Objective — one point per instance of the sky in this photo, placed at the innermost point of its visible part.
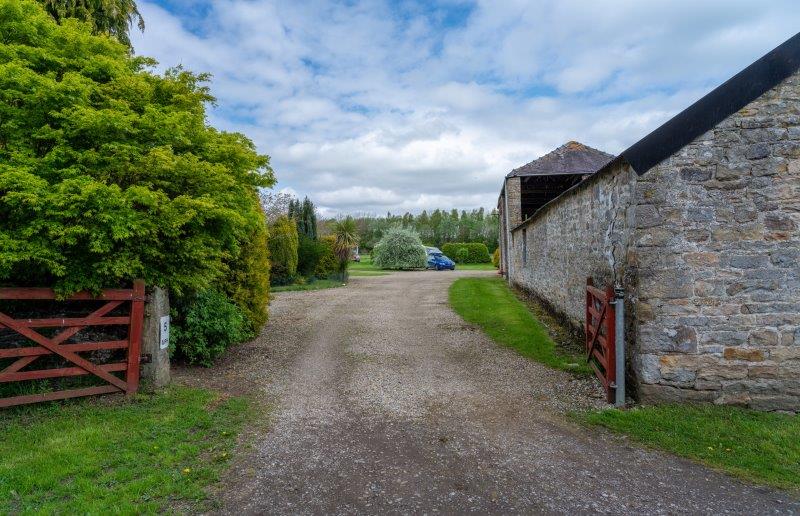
(376, 106)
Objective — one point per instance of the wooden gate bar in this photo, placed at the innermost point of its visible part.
(57, 373)
(135, 338)
(58, 395)
(27, 294)
(77, 347)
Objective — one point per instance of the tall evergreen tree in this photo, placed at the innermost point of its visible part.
(309, 215)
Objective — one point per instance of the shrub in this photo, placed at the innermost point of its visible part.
(309, 252)
(205, 326)
(108, 171)
(247, 282)
(328, 263)
(477, 252)
(283, 242)
(462, 255)
(496, 258)
(399, 248)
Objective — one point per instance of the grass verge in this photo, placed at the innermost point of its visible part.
(757, 446)
(99, 456)
(490, 304)
(316, 285)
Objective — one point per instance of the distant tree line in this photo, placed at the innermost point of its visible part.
(435, 228)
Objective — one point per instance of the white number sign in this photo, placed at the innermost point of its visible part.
(164, 332)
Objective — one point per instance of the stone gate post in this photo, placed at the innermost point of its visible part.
(155, 339)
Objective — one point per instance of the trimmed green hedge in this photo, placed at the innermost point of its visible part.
(475, 252)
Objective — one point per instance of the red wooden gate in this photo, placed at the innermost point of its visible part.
(600, 335)
(55, 345)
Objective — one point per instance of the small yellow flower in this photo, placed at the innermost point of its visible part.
(186, 471)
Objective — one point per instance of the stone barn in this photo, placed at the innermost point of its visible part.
(698, 222)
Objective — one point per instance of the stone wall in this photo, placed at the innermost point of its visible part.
(706, 245)
(572, 239)
(718, 260)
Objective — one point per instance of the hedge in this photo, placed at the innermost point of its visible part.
(475, 252)
(328, 264)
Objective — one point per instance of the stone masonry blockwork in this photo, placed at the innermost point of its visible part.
(707, 246)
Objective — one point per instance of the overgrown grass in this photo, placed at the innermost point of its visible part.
(758, 446)
(316, 285)
(490, 304)
(98, 456)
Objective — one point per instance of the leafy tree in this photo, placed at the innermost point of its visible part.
(109, 172)
(114, 17)
(400, 248)
(283, 244)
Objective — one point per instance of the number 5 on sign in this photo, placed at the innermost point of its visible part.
(164, 341)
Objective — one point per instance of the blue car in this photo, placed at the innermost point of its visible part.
(440, 262)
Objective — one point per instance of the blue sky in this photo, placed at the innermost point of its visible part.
(374, 106)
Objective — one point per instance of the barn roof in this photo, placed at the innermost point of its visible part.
(725, 100)
(571, 158)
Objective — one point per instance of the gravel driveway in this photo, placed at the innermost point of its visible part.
(385, 401)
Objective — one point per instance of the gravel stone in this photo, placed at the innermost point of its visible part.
(386, 402)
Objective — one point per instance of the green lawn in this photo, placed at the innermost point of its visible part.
(111, 455)
(365, 268)
(490, 304)
(757, 446)
(316, 285)
(475, 267)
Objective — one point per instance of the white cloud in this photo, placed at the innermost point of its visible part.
(364, 107)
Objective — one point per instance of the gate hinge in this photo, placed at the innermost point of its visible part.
(146, 358)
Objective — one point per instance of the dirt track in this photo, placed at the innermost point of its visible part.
(386, 402)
